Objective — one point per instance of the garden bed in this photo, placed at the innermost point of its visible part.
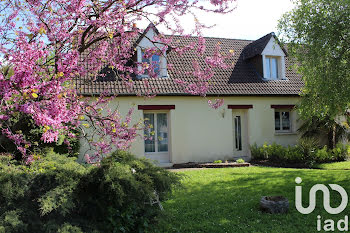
(210, 165)
(268, 163)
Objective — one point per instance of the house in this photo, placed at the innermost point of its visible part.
(259, 92)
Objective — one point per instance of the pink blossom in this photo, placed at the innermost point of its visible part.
(44, 53)
(218, 103)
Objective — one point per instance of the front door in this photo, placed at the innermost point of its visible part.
(157, 136)
(240, 134)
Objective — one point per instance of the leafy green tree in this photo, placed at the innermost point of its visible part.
(318, 37)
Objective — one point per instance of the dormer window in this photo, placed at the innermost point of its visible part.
(154, 61)
(271, 66)
(155, 55)
(267, 56)
(273, 57)
(158, 62)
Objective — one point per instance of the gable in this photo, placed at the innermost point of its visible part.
(145, 40)
(273, 48)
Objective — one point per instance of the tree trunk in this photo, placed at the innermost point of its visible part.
(334, 140)
(332, 137)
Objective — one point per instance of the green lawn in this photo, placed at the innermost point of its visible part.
(334, 166)
(226, 200)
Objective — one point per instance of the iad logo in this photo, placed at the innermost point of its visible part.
(326, 198)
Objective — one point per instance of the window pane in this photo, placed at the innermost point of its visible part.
(162, 132)
(285, 121)
(238, 133)
(149, 132)
(277, 121)
(156, 63)
(145, 60)
(155, 58)
(273, 68)
(267, 66)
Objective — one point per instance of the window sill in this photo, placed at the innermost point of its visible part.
(156, 153)
(285, 133)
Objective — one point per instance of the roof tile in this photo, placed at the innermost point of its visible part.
(241, 79)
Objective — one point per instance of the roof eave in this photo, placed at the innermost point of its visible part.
(185, 94)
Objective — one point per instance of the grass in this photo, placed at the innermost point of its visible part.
(334, 166)
(227, 200)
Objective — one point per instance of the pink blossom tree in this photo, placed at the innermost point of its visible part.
(40, 50)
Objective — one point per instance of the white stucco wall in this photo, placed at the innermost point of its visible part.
(199, 133)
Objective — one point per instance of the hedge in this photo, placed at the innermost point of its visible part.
(57, 194)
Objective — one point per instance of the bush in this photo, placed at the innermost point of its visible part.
(322, 154)
(32, 133)
(257, 152)
(308, 147)
(306, 152)
(120, 190)
(57, 194)
(240, 161)
(340, 152)
(218, 161)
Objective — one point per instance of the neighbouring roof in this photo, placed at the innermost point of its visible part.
(241, 79)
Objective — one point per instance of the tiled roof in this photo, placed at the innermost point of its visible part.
(241, 79)
(257, 47)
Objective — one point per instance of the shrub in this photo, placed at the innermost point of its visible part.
(240, 161)
(27, 126)
(71, 147)
(67, 228)
(57, 194)
(308, 147)
(120, 191)
(340, 152)
(293, 154)
(306, 152)
(40, 196)
(322, 154)
(218, 161)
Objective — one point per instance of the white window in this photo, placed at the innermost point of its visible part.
(283, 121)
(156, 132)
(238, 133)
(273, 61)
(271, 66)
(154, 62)
(157, 62)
